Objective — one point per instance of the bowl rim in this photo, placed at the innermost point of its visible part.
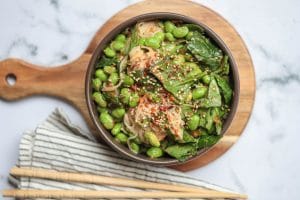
(106, 136)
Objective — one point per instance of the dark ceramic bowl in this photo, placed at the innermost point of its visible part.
(105, 135)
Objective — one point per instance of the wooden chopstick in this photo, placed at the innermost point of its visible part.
(88, 194)
(104, 180)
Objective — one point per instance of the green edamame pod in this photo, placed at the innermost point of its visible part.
(109, 69)
(117, 45)
(121, 38)
(180, 32)
(170, 37)
(134, 147)
(99, 99)
(114, 78)
(206, 79)
(169, 26)
(189, 35)
(96, 83)
(118, 113)
(152, 42)
(171, 48)
(107, 120)
(152, 139)
(199, 92)
(160, 36)
(142, 41)
(128, 81)
(193, 122)
(134, 100)
(109, 52)
(116, 129)
(125, 95)
(101, 75)
(155, 152)
(121, 138)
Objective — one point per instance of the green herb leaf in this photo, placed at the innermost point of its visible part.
(106, 61)
(213, 98)
(205, 51)
(225, 88)
(207, 140)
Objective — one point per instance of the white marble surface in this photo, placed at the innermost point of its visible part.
(264, 163)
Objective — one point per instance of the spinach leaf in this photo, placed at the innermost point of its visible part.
(205, 51)
(213, 118)
(213, 98)
(176, 79)
(207, 140)
(187, 138)
(105, 61)
(181, 151)
(195, 27)
(225, 88)
(224, 68)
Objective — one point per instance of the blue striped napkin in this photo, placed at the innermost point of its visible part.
(58, 144)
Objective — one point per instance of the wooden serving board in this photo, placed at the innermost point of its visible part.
(67, 81)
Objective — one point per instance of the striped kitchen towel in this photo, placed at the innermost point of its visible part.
(58, 144)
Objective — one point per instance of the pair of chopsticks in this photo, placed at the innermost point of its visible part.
(165, 190)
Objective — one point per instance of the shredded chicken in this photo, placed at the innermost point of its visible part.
(142, 57)
(157, 117)
(148, 29)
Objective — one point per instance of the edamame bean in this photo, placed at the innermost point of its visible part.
(169, 26)
(152, 139)
(117, 45)
(118, 113)
(155, 152)
(99, 99)
(109, 52)
(152, 42)
(125, 95)
(160, 36)
(134, 100)
(121, 38)
(206, 79)
(189, 35)
(170, 37)
(114, 78)
(116, 129)
(134, 147)
(101, 75)
(199, 92)
(171, 48)
(180, 32)
(179, 59)
(107, 120)
(128, 81)
(142, 41)
(121, 138)
(96, 83)
(109, 69)
(193, 122)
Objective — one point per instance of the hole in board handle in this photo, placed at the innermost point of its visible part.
(11, 79)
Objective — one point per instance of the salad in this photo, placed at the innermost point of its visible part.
(163, 89)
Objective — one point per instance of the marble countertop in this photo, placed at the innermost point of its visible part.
(265, 161)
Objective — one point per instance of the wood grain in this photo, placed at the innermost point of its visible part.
(67, 82)
(93, 194)
(106, 180)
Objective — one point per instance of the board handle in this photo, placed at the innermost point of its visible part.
(19, 79)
